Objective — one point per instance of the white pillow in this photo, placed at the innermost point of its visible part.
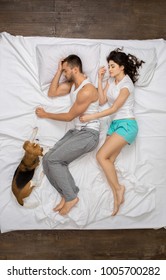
(48, 57)
(147, 69)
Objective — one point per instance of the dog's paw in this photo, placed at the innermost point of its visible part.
(31, 202)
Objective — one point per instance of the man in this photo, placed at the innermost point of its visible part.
(76, 142)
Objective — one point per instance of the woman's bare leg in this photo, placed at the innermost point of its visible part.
(106, 157)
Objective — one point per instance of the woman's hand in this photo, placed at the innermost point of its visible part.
(101, 72)
(41, 113)
(85, 118)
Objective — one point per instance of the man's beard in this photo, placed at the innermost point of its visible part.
(70, 79)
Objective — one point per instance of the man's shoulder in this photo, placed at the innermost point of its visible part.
(89, 87)
(88, 92)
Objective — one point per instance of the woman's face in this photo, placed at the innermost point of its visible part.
(115, 69)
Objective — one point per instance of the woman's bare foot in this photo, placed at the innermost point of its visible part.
(118, 199)
(116, 207)
(68, 205)
(120, 194)
(60, 205)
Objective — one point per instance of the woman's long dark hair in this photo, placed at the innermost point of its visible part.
(130, 62)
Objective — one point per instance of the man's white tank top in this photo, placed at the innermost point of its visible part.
(93, 108)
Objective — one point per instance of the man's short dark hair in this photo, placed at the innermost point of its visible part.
(74, 61)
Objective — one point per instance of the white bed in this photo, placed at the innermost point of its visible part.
(27, 65)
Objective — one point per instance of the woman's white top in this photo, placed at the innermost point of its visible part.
(93, 108)
(127, 110)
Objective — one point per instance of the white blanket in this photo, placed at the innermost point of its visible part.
(141, 166)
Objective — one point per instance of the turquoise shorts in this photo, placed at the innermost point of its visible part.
(127, 128)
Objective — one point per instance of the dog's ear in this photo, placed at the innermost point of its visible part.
(26, 143)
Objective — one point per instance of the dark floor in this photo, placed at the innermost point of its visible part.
(95, 245)
(104, 19)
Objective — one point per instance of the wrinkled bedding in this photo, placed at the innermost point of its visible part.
(141, 167)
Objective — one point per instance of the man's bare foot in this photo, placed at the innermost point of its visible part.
(68, 205)
(60, 205)
(120, 194)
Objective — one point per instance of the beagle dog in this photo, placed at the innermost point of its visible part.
(22, 184)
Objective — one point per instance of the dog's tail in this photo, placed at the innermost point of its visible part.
(34, 133)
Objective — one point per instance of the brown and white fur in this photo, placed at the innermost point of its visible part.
(22, 184)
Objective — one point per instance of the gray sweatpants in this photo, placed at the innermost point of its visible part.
(55, 163)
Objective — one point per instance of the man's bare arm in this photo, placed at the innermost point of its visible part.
(56, 88)
(60, 90)
(84, 98)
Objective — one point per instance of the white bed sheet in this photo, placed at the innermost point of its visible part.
(141, 166)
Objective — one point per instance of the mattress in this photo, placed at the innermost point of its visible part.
(27, 65)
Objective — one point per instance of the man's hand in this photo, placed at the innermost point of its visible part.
(60, 65)
(41, 113)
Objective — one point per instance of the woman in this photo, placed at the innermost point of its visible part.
(119, 93)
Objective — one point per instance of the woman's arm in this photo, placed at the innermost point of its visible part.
(102, 92)
(124, 93)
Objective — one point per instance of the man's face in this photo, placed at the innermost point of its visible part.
(68, 72)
